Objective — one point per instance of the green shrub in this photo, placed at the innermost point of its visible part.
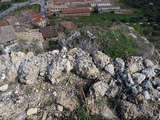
(156, 33)
(146, 32)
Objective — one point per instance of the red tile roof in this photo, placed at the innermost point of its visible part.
(3, 23)
(69, 25)
(74, 11)
(30, 12)
(35, 17)
(83, 5)
(48, 32)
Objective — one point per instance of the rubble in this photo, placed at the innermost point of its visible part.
(62, 81)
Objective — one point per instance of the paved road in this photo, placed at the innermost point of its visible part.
(43, 10)
(15, 6)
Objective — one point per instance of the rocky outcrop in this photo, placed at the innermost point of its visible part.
(58, 82)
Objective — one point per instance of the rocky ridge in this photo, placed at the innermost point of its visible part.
(55, 84)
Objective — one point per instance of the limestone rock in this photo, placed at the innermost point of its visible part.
(119, 65)
(130, 111)
(28, 72)
(127, 79)
(135, 64)
(148, 63)
(4, 87)
(107, 113)
(30, 54)
(100, 59)
(58, 67)
(110, 69)
(146, 95)
(2, 77)
(67, 101)
(149, 72)
(32, 111)
(138, 78)
(83, 64)
(100, 88)
(60, 108)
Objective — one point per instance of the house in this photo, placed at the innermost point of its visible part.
(83, 6)
(3, 23)
(94, 4)
(66, 25)
(12, 20)
(7, 35)
(68, 2)
(104, 8)
(37, 19)
(48, 32)
(23, 19)
(75, 12)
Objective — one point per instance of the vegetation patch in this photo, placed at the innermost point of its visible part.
(36, 8)
(118, 44)
(4, 6)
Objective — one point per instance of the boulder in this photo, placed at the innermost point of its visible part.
(135, 64)
(148, 63)
(28, 72)
(149, 72)
(110, 69)
(58, 66)
(119, 65)
(100, 59)
(126, 77)
(100, 88)
(86, 68)
(146, 95)
(138, 78)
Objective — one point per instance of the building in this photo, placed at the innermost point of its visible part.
(84, 6)
(66, 25)
(94, 4)
(37, 19)
(75, 12)
(23, 19)
(7, 35)
(104, 8)
(12, 20)
(3, 23)
(49, 32)
(68, 2)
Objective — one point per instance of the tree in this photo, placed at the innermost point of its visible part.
(95, 10)
(146, 32)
